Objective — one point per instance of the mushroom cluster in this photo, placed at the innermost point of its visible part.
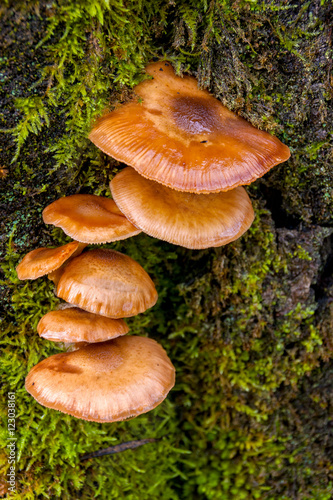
(107, 377)
(188, 156)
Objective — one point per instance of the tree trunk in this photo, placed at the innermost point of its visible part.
(248, 325)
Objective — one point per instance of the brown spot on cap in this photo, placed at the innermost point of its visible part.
(162, 137)
(104, 382)
(106, 282)
(89, 218)
(75, 325)
(190, 220)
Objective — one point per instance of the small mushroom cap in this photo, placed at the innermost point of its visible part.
(89, 218)
(193, 221)
(184, 138)
(55, 275)
(104, 382)
(106, 282)
(75, 325)
(45, 260)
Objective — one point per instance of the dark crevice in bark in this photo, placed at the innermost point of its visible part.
(323, 288)
(274, 202)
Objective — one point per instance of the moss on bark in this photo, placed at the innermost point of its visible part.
(249, 325)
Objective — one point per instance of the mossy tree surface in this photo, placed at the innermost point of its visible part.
(248, 326)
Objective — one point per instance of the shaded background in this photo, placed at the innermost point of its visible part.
(248, 326)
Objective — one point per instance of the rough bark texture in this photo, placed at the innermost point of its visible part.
(248, 326)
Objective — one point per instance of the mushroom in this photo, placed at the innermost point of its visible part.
(104, 382)
(56, 275)
(89, 218)
(46, 260)
(184, 138)
(190, 220)
(75, 325)
(106, 282)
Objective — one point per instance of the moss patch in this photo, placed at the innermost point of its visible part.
(249, 325)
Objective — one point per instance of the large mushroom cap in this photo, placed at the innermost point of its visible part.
(104, 382)
(106, 282)
(184, 138)
(89, 218)
(42, 261)
(190, 220)
(75, 325)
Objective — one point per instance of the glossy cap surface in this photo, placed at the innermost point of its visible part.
(76, 325)
(106, 282)
(184, 138)
(45, 260)
(89, 219)
(193, 221)
(104, 382)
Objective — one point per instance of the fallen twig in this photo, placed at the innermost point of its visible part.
(129, 445)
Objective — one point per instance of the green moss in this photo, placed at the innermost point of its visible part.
(248, 325)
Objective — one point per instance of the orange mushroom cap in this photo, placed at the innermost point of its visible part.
(75, 325)
(89, 218)
(104, 382)
(184, 138)
(106, 282)
(190, 220)
(46, 260)
(55, 275)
